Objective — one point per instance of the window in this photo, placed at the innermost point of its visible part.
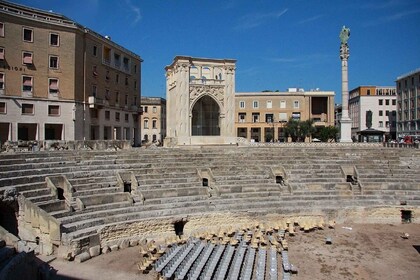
(54, 39)
(387, 102)
(126, 117)
(117, 79)
(2, 80)
(269, 118)
(117, 116)
(381, 102)
(27, 83)
(1, 29)
(394, 102)
(94, 71)
(154, 138)
(117, 97)
(107, 78)
(296, 115)
(53, 85)
(154, 123)
(296, 104)
(2, 107)
(126, 81)
(117, 62)
(242, 104)
(27, 109)
(135, 68)
(146, 124)
(154, 109)
(107, 115)
(255, 117)
(135, 84)
(95, 51)
(381, 124)
(282, 104)
(387, 113)
(126, 62)
(53, 62)
(381, 113)
(27, 58)
(28, 35)
(126, 99)
(368, 92)
(107, 94)
(283, 117)
(1, 53)
(53, 110)
(145, 109)
(387, 124)
(269, 104)
(255, 104)
(94, 89)
(241, 117)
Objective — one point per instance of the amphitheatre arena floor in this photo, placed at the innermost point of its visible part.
(367, 251)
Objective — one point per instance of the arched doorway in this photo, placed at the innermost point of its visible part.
(205, 117)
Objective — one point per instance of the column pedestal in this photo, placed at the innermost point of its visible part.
(345, 130)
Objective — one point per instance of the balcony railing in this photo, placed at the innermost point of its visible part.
(94, 102)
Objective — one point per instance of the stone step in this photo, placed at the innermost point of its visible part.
(36, 192)
(174, 192)
(95, 190)
(248, 188)
(42, 198)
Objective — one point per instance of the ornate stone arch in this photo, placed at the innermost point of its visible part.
(205, 115)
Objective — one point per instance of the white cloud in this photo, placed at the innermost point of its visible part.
(135, 10)
(393, 17)
(254, 20)
(310, 19)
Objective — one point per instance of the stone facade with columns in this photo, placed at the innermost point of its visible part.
(200, 101)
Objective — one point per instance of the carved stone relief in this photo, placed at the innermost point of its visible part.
(217, 92)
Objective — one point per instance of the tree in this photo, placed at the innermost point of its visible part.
(298, 130)
(327, 133)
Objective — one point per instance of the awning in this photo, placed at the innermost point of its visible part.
(27, 58)
(27, 82)
(54, 84)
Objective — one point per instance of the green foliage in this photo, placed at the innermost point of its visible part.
(298, 130)
(327, 133)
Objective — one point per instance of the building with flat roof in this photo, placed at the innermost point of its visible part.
(62, 81)
(373, 108)
(261, 116)
(408, 100)
(153, 119)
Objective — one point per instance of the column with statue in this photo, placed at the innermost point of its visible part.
(345, 121)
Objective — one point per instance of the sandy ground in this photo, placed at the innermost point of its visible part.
(364, 252)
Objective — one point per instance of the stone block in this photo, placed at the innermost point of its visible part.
(124, 244)
(114, 248)
(134, 243)
(94, 251)
(106, 250)
(82, 257)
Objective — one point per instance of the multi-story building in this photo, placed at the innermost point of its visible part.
(381, 101)
(62, 81)
(408, 99)
(261, 116)
(153, 119)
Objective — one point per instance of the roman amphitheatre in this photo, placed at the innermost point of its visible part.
(267, 211)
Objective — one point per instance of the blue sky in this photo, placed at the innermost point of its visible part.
(278, 44)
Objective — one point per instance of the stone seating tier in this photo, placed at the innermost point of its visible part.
(171, 187)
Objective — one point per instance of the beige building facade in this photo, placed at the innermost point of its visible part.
(62, 81)
(153, 119)
(261, 116)
(200, 95)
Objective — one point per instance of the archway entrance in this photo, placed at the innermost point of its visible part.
(205, 117)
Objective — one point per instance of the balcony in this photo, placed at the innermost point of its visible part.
(95, 102)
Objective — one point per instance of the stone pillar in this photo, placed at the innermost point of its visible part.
(345, 121)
